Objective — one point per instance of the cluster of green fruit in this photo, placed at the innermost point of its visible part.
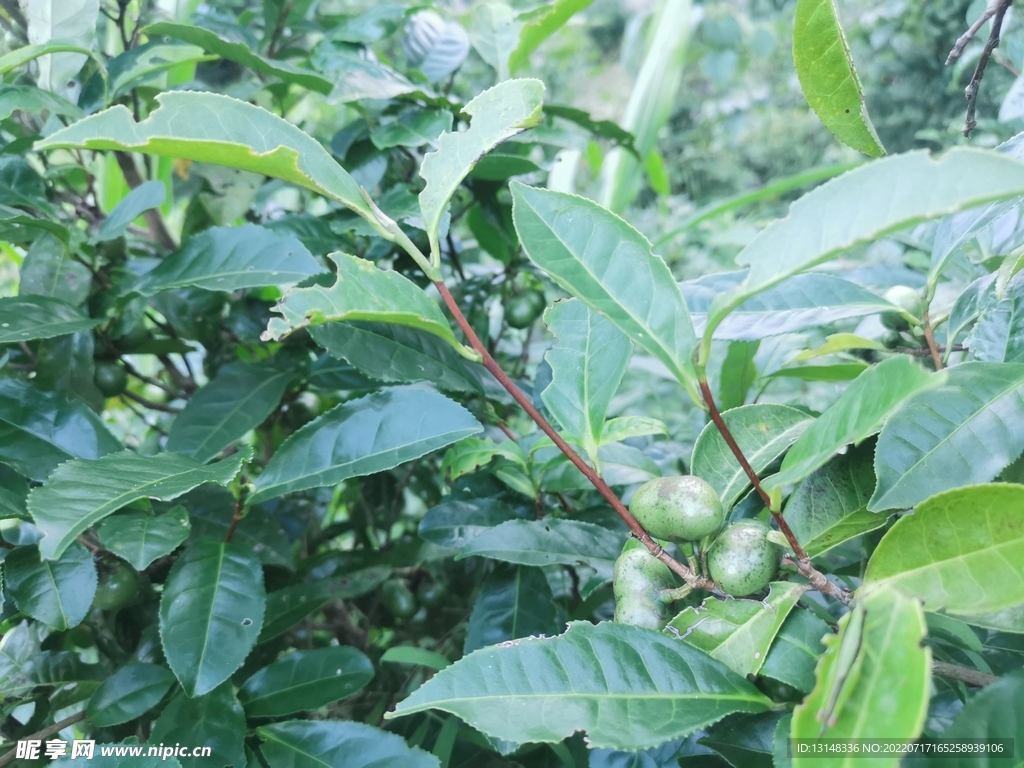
(896, 323)
(739, 557)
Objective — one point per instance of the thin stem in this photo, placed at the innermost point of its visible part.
(963, 674)
(46, 733)
(236, 518)
(697, 582)
(929, 337)
(966, 37)
(149, 403)
(999, 9)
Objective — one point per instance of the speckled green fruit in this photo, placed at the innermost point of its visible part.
(742, 561)
(681, 508)
(398, 599)
(116, 586)
(639, 578)
(110, 379)
(906, 299)
(523, 308)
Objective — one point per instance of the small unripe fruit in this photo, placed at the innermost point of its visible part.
(742, 561)
(639, 578)
(398, 599)
(523, 308)
(110, 379)
(117, 586)
(683, 508)
(906, 299)
(892, 339)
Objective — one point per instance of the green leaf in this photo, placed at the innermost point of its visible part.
(763, 431)
(546, 542)
(48, 270)
(608, 265)
(737, 632)
(963, 432)
(13, 491)
(25, 318)
(830, 505)
(412, 128)
(1007, 620)
(210, 128)
(287, 607)
(141, 63)
(745, 740)
(241, 54)
(513, 602)
(80, 493)
(39, 430)
(991, 713)
(738, 374)
(55, 592)
(470, 454)
(211, 511)
(623, 427)
(145, 197)
(625, 686)
(408, 654)
(539, 28)
(140, 538)
(998, 336)
(28, 53)
(961, 551)
(28, 98)
(215, 720)
(824, 222)
(396, 353)
(494, 33)
(130, 692)
(588, 360)
(239, 399)
(857, 414)
(796, 650)
(229, 258)
(454, 523)
(309, 744)
(211, 612)
(829, 81)
(364, 292)
(498, 113)
(305, 680)
(364, 436)
(887, 695)
(604, 129)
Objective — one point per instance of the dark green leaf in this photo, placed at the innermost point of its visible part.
(305, 680)
(308, 744)
(215, 720)
(80, 493)
(13, 492)
(259, 532)
(48, 270)
(795, 652)
(992, 713)
(55, 592)
(546, 542)
(625, 686)
(414, 128)
(287, 607)
(140, 538)
(745, 740)
(130, 692)
(211, 613)
(229, 258)
(24, 318)
(456, 522)
(145, 197)
(28, 98)
(363, 436)
(513, 602)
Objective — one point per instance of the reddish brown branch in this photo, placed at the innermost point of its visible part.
(695, 581)
(933, 348)
(46, 733)
(236, 519)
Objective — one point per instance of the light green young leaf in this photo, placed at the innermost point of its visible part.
(211, 612)
(410, 654)
(239, 399)
(588, 360)
(364, 292)
(240, 53)
(539, 28)
(961, 551)
(763, 431)
(625, 686)
(305, 681)
(738, 374)
(858, 413)
(210, 128)
(80, 493)
(57, 593)
(302, 743)
(737, 632)
(498, 113)
(363, 436)
(608, 265)
(871, 703)
(470, 454)
(963, 432)
(513, 602)
(25, 318)
(623, 427)
(886, 196)
(140, 538)
(828, 78)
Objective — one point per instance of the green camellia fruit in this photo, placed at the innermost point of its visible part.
(523, 308)
(742, 561)
(431, 594)
(683, 508)
(116, 586)
(110, 379)
(892, 339)
(638, 580)
(398, 599)
(906, 299)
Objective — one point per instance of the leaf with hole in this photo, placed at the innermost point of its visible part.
(305, 681)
